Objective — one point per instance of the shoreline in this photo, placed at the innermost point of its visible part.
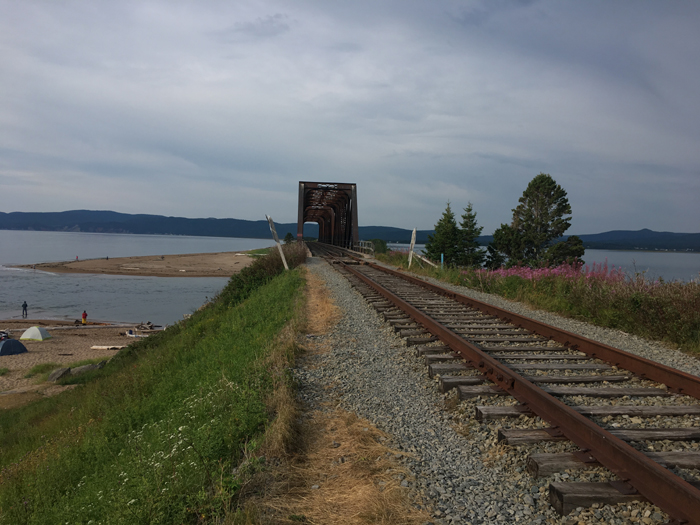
(216, 264)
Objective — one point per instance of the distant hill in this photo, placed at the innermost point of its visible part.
(114, 222)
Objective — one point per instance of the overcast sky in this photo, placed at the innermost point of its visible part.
(219, 108)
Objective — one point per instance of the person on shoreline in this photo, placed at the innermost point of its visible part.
(84, 317)
(24, 309)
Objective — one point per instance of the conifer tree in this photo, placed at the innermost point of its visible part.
(470, 252)
(445, 240)
(541, 217)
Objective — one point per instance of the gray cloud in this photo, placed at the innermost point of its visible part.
(219, 108)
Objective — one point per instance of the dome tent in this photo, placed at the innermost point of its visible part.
(11, 347)
(36, 333)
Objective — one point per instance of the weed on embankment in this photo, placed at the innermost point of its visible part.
(666, 311)
(158, 434)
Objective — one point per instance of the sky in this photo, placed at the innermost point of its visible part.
(218, 109)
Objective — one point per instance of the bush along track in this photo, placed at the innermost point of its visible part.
(158, 435)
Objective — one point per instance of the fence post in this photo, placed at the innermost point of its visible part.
(277, 240)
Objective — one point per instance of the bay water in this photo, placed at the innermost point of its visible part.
(116, 298)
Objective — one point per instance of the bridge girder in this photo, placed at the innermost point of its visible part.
(333, 205)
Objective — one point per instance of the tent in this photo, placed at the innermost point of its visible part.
(36, 333)
(11, 347)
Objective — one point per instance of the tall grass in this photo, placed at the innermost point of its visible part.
(157, 435)
(606, 296)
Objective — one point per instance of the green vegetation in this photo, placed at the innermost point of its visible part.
(541, 217)
(289, 238)
(379, 245)
(4, 371)
(41, 369)
(159, 434)
(444, 245)
(259, 252)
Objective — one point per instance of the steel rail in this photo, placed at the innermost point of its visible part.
(657, 484)
(677, 381)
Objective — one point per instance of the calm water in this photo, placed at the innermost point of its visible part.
(681, 266)
(162, 300)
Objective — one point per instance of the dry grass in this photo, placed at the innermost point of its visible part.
(322, 312)
(325, 466)
(342, 474)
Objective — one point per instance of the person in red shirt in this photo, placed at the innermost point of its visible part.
(84, 317)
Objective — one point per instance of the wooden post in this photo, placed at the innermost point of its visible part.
(410, 250)
(277, 240)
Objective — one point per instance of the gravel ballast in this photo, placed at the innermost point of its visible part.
(458, 470)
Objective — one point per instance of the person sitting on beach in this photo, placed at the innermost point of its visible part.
(24, 309)
(84, 317)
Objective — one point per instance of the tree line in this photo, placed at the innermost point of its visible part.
(533, 237)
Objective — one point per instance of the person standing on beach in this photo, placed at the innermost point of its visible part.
(24, 309)
(84, 317)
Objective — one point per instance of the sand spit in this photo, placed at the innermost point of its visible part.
(221, 264)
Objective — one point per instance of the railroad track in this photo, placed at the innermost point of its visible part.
(486, 352)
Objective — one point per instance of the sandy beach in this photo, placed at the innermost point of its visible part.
(68, 344)
(221, 264)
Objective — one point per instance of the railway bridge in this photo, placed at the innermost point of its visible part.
(333, 206)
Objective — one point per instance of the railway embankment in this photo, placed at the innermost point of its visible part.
(161, 432)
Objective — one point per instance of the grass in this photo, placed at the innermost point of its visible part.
(4, 371)
(663, 310)
(41, 369)
(167, 430)
(259, 252)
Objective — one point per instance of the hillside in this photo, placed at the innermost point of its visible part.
(114, 222)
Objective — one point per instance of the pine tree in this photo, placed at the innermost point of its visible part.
(470, 252)
(539, 219)
(446, 239)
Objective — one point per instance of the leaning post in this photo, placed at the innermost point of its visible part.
(277, 240)
(410, 250)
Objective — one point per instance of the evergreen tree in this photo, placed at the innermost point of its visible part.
(446, 239)
(470, 252)
(565, 252)
(541, 217)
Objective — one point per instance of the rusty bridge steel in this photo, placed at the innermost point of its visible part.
(333, 206)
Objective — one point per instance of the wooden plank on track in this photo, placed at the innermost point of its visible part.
(413, 341)
(447, 368)
(543, 357)
(522, 436)
(467, 391)
(412, 333)
(523, 348)
(558, 366)
(441, 358)
(483, 332)
(447, 383)
(488, 412)
(426, 350)
(603, 391)
(565, 497)
(510, 339)
(517, 436)
(539, 465)
(577, 379)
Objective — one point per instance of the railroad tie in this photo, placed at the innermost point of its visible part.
(540, 465)
(519, 436)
